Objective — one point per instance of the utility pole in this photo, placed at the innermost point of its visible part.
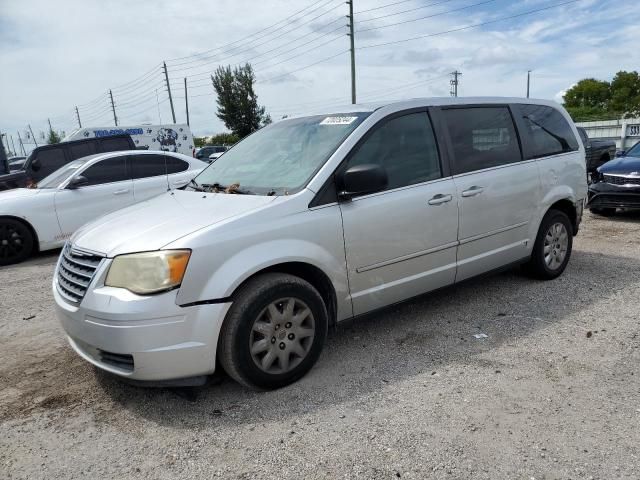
(166, 77)
(353, 52)
(24, 152)
(454, 83)
(78, 118)
(186, 100)
(32, 135)
(113, 108)
(528, 82)
(50, 127)
(13, 145)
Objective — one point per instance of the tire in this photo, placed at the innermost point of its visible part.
(267, 341)
(605, 212)
(16, 241)
(552, 248)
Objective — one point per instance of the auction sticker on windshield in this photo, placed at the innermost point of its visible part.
(338, 120)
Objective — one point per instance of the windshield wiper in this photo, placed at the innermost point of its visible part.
(218, 188)
(195, 185)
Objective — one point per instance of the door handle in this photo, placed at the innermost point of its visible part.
(473, 191)
(121, 192)
(439, 199)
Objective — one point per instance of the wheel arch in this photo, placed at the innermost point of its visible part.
(567, 207)
(310, 273)
(26, 223)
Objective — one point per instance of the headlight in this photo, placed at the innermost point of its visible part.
(148, 272)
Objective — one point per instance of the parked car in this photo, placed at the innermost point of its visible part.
(45, 160)
(634, 151)
(42, 218)
(16, 163)
(616, 184)
(597, 152)
(205, 152)
(314, 220)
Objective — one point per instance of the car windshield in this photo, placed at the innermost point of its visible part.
(634, 151)
(56, 178)
(280, 158)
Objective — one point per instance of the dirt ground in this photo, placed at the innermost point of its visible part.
(553, 392)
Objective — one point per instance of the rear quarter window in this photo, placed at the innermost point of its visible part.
(175, 165)
(545, 132)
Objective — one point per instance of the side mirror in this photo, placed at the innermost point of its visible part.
(77, 182)
(621, 153)
(35, 165)
(362, 179)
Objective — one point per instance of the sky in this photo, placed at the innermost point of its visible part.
(55, 56)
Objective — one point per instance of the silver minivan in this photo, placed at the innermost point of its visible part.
(314, 220)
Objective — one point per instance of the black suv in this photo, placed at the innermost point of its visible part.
(204, 152)
(46, 159)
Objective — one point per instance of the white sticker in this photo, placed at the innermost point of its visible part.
(338, 120)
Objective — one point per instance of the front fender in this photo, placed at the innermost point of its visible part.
(247, 262)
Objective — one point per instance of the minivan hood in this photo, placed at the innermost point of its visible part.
(621, 165)
(153, 224)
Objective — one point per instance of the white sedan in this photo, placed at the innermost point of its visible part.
(42, 218)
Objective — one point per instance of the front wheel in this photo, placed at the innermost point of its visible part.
(552, 249)
(274, 331)
(16, 241)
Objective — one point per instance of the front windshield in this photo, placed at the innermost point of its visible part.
(634, 151)
(280, 158)
(56, 178)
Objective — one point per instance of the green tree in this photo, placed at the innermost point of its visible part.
(53, 137)
(588, 93)
(625, 93)
(237, 101)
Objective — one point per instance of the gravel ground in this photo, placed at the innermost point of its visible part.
(552, 392)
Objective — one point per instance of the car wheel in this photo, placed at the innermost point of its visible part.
(274, 331)
(552, 249)
(605, 212)
(16, 241)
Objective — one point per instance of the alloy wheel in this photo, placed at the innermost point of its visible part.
(556, 244)
(282, 335)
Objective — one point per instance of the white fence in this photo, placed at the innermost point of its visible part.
(625, 132)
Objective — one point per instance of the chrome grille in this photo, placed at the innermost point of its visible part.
(618, 180)
(75, 272)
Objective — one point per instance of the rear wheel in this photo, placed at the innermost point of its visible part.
(16, 241)
(605, 212)
(274, 331)
(552, 249)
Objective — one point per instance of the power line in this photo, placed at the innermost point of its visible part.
(251, 48)
(466, 7)
(204, 55)
(405, 11)
(302, 68)
(467, 27)
(383, 6)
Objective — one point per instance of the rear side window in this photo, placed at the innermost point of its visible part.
(175, 165)
(406, 147)
(49, 161)
(115, 144)
(107, 171)
(144, 166)
(482, 137)
(547, 132)
(82, 150)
